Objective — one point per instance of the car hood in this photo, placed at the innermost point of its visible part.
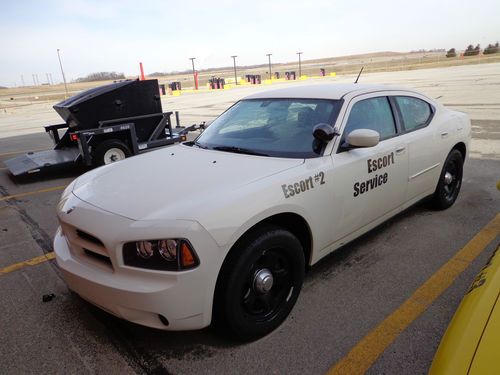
(174, 182)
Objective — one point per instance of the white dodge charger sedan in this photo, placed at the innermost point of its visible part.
(221, 230)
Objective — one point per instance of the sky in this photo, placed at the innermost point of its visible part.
(115, 35)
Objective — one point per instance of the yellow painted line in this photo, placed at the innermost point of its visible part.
(22, 152)
(364, 354)
(30, 262)
(14, 196)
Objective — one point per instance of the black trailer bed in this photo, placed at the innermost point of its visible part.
(125, 115)
(35, 161)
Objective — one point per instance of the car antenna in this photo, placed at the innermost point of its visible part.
(359, 74)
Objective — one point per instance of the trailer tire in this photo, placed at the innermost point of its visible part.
(110, 151)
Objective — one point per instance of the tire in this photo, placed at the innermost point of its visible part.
(110, 151)
(245, 305)
(450, 181)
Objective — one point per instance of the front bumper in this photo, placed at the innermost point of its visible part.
(141, 296)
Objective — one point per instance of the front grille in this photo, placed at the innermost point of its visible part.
(88, 237)
(87, 247)
(99, 257)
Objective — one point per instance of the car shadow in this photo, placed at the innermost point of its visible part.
(352, 253)
(149, 349)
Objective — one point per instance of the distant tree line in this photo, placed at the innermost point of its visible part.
(101, 76)
(492, 48)
(474, 51)
(451, 53)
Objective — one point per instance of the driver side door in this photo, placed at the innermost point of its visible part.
(370, 183)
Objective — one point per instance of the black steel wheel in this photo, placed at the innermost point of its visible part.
(259, 283)
(450, 181)
(110, 151)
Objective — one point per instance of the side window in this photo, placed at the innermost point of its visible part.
(373, 113)
(416, 112)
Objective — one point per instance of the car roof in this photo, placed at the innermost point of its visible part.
(333, 91)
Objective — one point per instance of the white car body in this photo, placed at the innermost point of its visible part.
(212, 198)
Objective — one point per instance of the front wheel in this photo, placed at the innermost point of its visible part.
(259, 283)
(450, 181)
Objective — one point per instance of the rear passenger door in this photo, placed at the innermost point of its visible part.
(424, 167)
(369, 182)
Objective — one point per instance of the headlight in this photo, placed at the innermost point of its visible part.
(171, 254)
(168, 249)
(144, 249)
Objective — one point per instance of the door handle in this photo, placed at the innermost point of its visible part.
(400, 150)
(444, 134)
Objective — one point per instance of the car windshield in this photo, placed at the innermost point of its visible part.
(271, 127)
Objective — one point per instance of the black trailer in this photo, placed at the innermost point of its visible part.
(103, 125)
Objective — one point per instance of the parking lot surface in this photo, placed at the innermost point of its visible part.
(379, 304)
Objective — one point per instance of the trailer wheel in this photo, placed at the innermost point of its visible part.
(110, 151)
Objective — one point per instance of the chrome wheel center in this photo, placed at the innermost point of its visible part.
(112, 155)
(263, 281)
(448, 178)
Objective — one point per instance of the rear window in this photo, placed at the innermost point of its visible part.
(416, 112)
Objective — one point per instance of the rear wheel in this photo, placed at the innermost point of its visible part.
(450, 181)
(259, 283)
(110, 151)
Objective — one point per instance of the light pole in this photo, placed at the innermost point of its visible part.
(269, 56)
(62, 71)
(194, 72)
(300, 65)
(234, 64)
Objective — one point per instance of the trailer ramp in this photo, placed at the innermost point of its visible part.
(39, 161)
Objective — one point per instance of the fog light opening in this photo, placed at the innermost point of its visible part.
(163, 320)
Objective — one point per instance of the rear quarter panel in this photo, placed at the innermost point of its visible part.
(457, 125)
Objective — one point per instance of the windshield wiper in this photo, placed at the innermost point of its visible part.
(200, 145)
(238, 150)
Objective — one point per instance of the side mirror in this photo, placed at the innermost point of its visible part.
(324, 132)
(363, 138)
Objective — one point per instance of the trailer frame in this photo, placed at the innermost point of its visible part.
(79, 147)
(126, 125)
